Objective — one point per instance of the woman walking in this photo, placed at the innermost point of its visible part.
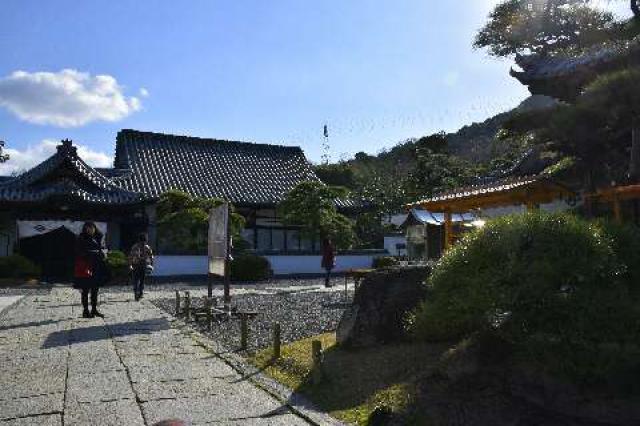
(89, 269)
(328, 259)
(140, 262)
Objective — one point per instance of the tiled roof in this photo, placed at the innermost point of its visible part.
(539, 71)
(240, 172)
(500, 185)
(65, 174)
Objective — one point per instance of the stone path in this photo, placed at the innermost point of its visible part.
(132, 368)
(6, 301)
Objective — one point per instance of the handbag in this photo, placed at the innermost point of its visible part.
(82, 268)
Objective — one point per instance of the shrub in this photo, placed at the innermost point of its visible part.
(118, 265)
(17, 266)
(384, 262)
(249, 267)
(550, 285)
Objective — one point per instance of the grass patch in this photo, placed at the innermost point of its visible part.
(355, 381)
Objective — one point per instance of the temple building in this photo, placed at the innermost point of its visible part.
(42, 209)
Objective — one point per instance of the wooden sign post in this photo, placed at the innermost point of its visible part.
(219, 245)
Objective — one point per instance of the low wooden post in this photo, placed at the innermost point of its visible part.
(178, 302)
(316, 354)
(187, 305)
(276, 340)
(244, 332)
(209, 312)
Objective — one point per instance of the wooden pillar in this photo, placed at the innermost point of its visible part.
(531, 206)
(634, 161)
(617, 209)
(448, 230)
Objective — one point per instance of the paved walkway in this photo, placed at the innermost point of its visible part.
(6, 301)
(132, 368)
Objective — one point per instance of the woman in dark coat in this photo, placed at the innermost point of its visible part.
(89, 269)
(328, 259)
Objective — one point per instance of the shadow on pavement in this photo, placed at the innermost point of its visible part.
(104, 331)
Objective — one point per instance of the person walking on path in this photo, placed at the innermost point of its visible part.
(89, 268)
(328, 259)
(140, 262)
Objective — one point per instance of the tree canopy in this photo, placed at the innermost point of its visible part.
(183, 222)
(533, 26)
(312, 206)
(3, 157)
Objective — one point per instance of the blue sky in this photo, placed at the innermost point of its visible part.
(377, 72)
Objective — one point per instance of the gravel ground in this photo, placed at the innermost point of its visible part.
(303, 311)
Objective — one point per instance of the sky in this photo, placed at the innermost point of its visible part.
(376, 72)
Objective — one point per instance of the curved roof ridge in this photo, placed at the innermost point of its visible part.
(200, 139)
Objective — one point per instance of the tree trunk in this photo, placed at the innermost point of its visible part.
(634, 164)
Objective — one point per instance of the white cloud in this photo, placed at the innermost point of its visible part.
(143, 92)
(23, 160)
(68, 98)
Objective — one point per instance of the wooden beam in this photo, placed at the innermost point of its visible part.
(617, 210)
(448, 230)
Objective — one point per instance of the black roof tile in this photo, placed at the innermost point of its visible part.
(65, 174)
(240, 172)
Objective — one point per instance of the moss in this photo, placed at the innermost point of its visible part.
(355, 382)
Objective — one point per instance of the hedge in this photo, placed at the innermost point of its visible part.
(562, 292)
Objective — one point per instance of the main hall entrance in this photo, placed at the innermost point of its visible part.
(50, 244)
(53, 251)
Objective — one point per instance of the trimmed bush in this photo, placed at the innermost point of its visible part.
(249, 267)
(384, 262)
(552, 286)
(17, 266)
(118, 265)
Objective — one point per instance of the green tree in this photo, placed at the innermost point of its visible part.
(3, 157)
(339, 174)
(528, 26)
(183, 222)
(436, 170)
(312, 206)
(598, 130)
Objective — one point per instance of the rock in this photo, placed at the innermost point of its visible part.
(380, 306)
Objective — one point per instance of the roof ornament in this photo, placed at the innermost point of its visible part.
(67, 147)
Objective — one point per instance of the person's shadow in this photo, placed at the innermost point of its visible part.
(102, 332)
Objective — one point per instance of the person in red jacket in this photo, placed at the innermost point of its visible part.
(328, 259)
(89, 268)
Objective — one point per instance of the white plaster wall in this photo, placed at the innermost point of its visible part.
(390, 245)
(281, 265)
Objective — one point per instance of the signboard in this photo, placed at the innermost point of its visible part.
(31, 228)
(218, 239)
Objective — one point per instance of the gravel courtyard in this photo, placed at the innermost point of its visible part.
(303, 308)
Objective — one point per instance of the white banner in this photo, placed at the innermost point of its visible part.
(217, 245)
(31, 228)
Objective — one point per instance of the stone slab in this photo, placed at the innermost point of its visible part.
(113, 413)
(46, 420)
(212, 409)
(37, 405)
(99, 387)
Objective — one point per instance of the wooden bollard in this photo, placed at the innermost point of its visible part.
(244, 332)
(178, 303)
(317, 356)
(187, 305)
(277, 342)
(209, 307)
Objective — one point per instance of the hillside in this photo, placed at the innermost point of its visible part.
(475, 143)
